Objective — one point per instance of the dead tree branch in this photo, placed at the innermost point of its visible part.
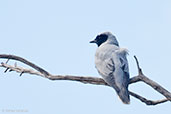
(85, 79)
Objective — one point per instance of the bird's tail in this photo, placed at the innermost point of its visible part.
(124, 95)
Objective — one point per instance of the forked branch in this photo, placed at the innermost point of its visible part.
(86, 79)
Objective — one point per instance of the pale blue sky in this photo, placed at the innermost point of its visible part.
(55, 35)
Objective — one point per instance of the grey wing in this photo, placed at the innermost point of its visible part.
(115, 72)
(121, 75)
(125, 69)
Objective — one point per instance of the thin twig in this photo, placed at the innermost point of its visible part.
(138, 66)
(7, 61)
(6, 70)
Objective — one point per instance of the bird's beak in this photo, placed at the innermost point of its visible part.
(93, 41)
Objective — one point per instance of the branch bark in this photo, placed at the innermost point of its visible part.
(86, 79)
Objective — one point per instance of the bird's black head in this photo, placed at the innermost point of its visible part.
(100, 39)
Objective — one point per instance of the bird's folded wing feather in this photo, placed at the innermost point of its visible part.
(115, 70)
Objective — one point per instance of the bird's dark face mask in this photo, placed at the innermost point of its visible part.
(100, 39)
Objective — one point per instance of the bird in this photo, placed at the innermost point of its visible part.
(112, 64)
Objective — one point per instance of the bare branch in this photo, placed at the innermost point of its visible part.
(4, 56)
(146, 101)
(151, 83)
(88, 80)
(156, 86)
